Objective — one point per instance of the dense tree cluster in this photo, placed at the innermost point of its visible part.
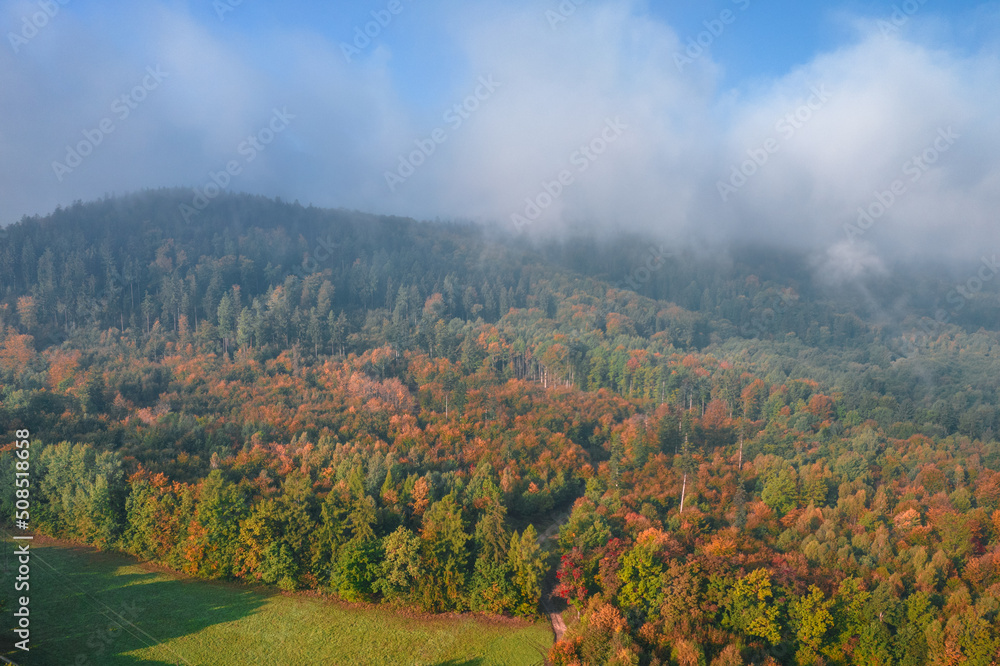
(741, 466)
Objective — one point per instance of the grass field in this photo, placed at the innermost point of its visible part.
(96, 609)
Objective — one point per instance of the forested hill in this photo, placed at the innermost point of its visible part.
(78, 262)
(257, 272)
(750, 464)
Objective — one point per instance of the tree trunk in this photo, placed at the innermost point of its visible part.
(740, 468)
(683, 491)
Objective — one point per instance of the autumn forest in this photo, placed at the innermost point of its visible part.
(696, 457)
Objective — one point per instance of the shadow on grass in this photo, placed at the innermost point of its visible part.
(85, 612)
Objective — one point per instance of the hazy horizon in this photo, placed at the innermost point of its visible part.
(857, 132)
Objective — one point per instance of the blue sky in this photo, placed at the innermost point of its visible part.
(772, 38)
(768, 39)
(873, 84)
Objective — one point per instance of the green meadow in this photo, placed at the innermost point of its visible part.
(97, 609)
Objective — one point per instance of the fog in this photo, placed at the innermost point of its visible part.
(597, 119)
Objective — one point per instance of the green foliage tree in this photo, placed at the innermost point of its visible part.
(358, 569)
(528, 567)
(642, 574)
(781, 491)
(221, 507)
(81, 493)
(750, 610)
(444, 556)
(227, 320)
(811, 619)
(400, 570)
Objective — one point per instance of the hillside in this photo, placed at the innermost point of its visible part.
(750, 463)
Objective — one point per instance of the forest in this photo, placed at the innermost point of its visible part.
(744, 462)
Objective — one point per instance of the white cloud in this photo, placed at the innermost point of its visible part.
(888, 99)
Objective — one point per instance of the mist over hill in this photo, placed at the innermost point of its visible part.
(670, 327)
(441, 416)
(126, 262)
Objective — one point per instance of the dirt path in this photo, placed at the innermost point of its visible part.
(554, 607)
(556, 618)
